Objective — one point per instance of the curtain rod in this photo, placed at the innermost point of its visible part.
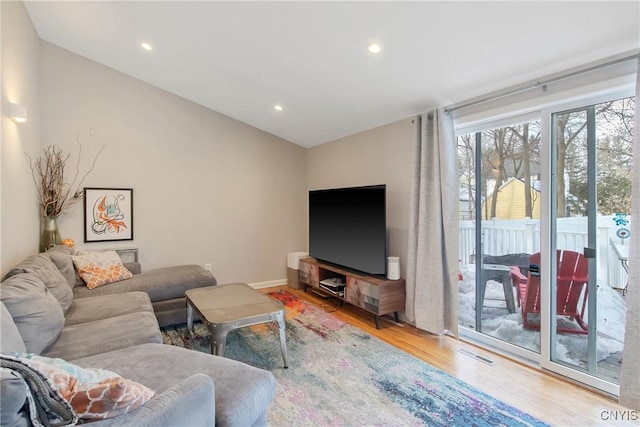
(542, 83)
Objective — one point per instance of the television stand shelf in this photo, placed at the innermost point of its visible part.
(374, 294)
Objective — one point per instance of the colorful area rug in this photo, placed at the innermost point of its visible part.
(341, 376)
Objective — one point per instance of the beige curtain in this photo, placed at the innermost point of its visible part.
(630, 374)
(432, 264)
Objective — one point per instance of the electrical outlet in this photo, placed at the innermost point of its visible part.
(207, 267)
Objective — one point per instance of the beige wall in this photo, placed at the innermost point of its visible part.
(19, 220)
(207, 188)
(378, 156)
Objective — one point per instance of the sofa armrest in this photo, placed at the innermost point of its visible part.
(190, 402)
(133, 267)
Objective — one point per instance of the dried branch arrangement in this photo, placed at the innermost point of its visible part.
(55, 195)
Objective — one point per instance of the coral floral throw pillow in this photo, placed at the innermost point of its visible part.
(100, 268)
(93, 393)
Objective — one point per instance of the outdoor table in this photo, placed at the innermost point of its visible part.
(500, 273)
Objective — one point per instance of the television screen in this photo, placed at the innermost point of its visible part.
(347, 227)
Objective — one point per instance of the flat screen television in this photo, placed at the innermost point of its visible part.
(348, 228)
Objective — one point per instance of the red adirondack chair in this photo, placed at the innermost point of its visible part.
(572, 290)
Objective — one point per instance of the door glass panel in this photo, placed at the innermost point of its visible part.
(593, 201)
(499, 229)
(614, 138)
(572, 236)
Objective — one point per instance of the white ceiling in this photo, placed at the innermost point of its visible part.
(242, 58)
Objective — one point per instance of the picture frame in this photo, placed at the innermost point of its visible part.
(108, 214)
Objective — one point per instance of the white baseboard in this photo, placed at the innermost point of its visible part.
(269, 284)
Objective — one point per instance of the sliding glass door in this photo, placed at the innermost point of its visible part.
(544, 235)
(499, 228)
(590, 205)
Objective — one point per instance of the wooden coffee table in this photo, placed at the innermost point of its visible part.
(224, 308)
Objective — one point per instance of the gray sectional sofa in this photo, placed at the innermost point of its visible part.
(45, 311)
(165, 286)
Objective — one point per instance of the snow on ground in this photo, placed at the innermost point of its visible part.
(571, 348)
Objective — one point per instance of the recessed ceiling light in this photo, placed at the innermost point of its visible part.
(146, 46)
(278, 107)
(375, 48)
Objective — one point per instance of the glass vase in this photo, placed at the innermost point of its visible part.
(50, 233)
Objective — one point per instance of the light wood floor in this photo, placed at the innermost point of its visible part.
(527, 388)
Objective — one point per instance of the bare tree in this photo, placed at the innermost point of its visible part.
(568, 128)
(614, 128)
(614, 134)
(514, 151)
(467, 169)
(530, 145)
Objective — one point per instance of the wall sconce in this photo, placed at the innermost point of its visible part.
(17, 113)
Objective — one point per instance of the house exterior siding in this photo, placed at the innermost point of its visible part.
(511, 203)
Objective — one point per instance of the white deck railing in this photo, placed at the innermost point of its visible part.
(502, 237)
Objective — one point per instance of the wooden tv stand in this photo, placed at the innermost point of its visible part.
(374, 294)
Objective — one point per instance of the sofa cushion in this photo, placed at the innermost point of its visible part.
(93, 393)
(42, 266)
(100, 268)
(243, 392)
(179, 405)
(10, 339)
(13, 390)
(90, 309)
(161, 284)
(35, 311)
(105, 335)
(133, 267)
(61, 257)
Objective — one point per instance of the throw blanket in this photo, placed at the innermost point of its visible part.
(47, 407)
